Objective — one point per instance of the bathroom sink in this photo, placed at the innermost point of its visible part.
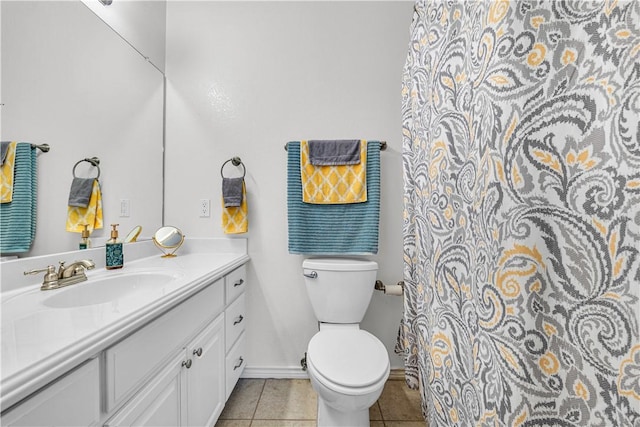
(112, 288)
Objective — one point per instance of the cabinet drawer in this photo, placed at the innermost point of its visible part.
(73, 400)
(234, 364)
(235, 318)
(236, 282)
(132, 360)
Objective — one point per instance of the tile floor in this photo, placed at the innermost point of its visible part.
(292, 403)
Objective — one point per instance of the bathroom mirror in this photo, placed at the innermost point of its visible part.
(68, 80)
(168, 239)
(141, 23)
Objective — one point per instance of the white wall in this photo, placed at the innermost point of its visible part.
(69, 81)
(243, 78)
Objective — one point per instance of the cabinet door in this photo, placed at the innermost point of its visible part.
(159, 403)
(205, 377)
(73, 400)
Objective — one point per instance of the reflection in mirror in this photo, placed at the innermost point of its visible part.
(168, 239)
(133, 234)
(69, 81)
(141, 23)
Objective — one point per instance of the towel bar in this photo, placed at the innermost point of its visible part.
(42, 147)
(383, 146)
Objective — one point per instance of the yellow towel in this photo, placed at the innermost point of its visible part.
(7, 174)
(92, 214)
(332, 185)
(235, 219)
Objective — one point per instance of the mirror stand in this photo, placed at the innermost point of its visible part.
(168, 240)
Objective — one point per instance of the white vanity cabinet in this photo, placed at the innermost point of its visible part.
(189, 390)
(177, 369)
(131, 362)
(192, 387)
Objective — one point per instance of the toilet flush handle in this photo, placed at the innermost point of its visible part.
(311, 275)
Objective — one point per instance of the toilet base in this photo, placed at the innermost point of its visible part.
(330, 417)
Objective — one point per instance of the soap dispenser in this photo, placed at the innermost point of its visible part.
(85, 243)
(115, 257)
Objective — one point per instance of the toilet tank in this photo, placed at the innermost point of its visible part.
(340, 289)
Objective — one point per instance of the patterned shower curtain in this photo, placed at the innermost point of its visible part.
(521, 152)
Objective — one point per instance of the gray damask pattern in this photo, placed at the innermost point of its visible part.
(522, 212)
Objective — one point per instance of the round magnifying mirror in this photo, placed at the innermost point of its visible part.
(133, 234)
(168, 239)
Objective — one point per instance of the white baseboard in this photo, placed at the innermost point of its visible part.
(295, 372)
(280, 372)
(396, 374)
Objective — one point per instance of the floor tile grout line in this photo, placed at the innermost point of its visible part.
(253, 416)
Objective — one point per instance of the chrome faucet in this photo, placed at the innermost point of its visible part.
(66, 275)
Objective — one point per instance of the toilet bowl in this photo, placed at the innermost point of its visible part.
(348, 368)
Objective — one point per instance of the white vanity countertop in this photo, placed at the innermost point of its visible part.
(44, 334)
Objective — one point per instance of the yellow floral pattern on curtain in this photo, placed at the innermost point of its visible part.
(521, 157)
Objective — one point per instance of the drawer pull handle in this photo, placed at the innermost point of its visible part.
(198, 352)
(238, 283)
(238, 320)
(187, 363)
(240, 362)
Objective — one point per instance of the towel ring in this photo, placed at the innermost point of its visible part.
(235, 161)
(95, 162)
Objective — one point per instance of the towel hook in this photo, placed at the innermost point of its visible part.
(235, 161)
(94, 161)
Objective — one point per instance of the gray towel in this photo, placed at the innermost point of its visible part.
(334, 152)
(232, 192)
(80, 193)
(4, 146)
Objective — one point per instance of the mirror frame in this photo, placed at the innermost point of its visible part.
(167, 249)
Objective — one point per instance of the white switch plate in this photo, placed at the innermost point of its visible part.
(125, 208)
(205, 208)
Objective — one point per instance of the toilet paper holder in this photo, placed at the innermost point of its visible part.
(379, 286)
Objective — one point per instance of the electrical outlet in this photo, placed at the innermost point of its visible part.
(125, 208)
(204, 208)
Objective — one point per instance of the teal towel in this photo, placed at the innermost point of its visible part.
(18, 218)
(333, 229)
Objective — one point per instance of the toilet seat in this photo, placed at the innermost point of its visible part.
(349, 358)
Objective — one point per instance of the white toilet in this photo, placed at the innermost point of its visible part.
(348, 367)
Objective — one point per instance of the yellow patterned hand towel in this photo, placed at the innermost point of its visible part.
(8, 172)
(235, 219)
(332, 185)
(77, 216)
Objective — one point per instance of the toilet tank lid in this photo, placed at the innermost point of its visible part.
(339, 264)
